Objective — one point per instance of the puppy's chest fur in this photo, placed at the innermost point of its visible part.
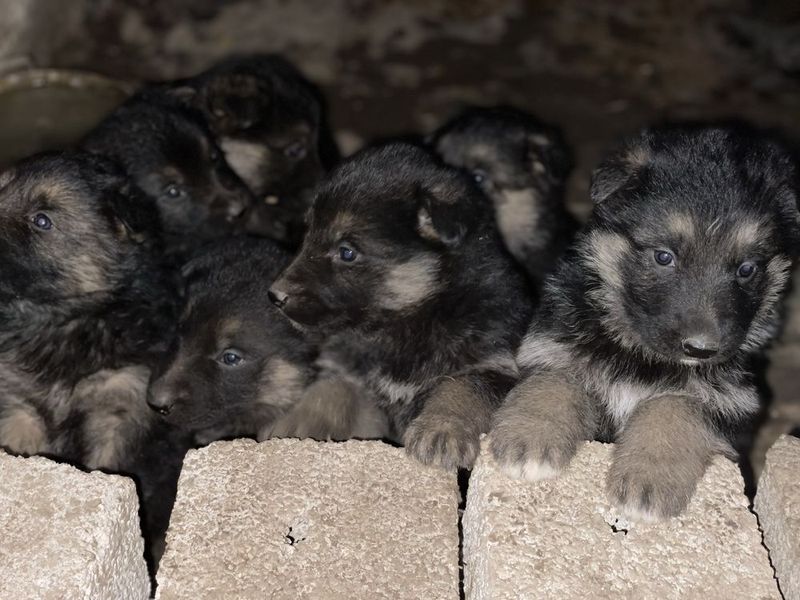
(618, 384)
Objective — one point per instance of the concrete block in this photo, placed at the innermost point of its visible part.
(66, 534)
(561, 538)
(288, 519)
(778, 507)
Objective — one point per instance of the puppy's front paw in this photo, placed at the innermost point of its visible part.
(442, 441)
(647, 490)
(530, 448)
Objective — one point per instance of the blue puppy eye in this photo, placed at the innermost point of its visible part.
(479, 176)
(231, 358)
(664, 258)
(347, 254)
(173, 191)
(746, 270)
(42, 221)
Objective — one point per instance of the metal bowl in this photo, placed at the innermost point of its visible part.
(51, 109)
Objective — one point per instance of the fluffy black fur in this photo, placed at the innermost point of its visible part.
(646, 332)
(522, 165)
(169, 152)
(271, 123)
(403, 273)
(237, 364)
(85, 306)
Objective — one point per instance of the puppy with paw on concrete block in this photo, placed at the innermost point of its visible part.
(647, 328)
(403, 273)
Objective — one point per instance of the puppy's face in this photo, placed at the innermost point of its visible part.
(68, 226)
(196, 191)
(380, 232)
(234, 358)
(690, 252)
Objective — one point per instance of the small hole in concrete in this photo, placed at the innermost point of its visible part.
(293, 538)
(620, 529)
(297, 533)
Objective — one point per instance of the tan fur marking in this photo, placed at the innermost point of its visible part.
(747, 234)
(22, 431)
(637, 157)
(607, 250)
(518, 218)
(681, 225)
(248, 160)
(410, 282)
(284, 382)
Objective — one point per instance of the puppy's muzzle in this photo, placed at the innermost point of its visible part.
(700, 346)
(278, 298)
(162, 400)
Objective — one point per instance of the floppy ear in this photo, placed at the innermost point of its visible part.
(619, 169)
(444, 214)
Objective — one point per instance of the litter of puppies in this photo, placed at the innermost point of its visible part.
(204, 267)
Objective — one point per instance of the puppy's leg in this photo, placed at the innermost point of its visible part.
(22, 430)
(330, 409)
(537, 429)
(446, 433)
(660, 456)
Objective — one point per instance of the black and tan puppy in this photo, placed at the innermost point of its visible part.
(84, 307)
(403, 273)
(237, 364)
(522, 165)
(270, 122)
(170, 154)
(646, 330)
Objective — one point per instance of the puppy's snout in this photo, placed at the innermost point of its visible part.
(277, 297)
(161, 399)
(700, 346)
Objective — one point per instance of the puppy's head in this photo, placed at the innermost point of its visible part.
(236, 357)
(174, 160)
(382, 232)
(691, 242)
(71, 225)
(267, 119)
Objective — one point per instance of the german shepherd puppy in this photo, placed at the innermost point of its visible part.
(170, 154)
(522, 165)
(237, 365)
(85, 306)
(646, 330)
(403, 273)
(270, 122)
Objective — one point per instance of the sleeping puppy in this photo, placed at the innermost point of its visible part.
(522, 165)
(403, 276)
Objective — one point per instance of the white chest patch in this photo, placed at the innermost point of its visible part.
(397, 392)
(248, 160)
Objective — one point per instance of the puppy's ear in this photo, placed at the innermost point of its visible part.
(620, 169)
(134, 213)
(548, 154)
(6, 177)
(238, 99)
(441, 217)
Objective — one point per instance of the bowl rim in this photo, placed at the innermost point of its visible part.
(32, 78)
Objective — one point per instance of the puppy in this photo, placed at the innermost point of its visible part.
(270, 122)
(85, 306)
(170, 154)
(522, 165)
(404, 276)
(647, 328)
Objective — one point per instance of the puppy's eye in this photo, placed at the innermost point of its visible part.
(295, 150)
(347, 254)
(479, 176)
(746, 270)
(219, 113)
(664, 258)
(231, 358)
(214, 156)
(42, 221)
(173, 191)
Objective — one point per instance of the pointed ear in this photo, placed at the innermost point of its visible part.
(619, 170)
(444, 216)
(549, 154)
(133, 213)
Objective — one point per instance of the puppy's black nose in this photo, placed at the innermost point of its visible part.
(160, 400)
(278, 298)
(700, 346)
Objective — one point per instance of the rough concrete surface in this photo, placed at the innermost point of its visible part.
(66, 534)
(301, 519)
(561, 538)
(778, 507)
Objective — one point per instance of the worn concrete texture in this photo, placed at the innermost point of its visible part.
(778, 507)
(289, 519)
(67, 534)
(562, 539)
